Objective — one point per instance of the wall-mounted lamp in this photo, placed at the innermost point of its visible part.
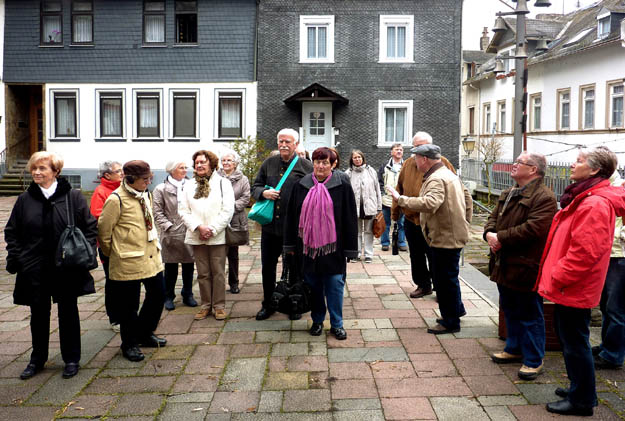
(468, 144)
(337, 131)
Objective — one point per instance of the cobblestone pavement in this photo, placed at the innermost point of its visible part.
(242, 369)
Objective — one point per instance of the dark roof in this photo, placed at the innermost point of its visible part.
(316, 92)
(476, 56)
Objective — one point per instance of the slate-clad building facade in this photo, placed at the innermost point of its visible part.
(113, 79)
(360, 74)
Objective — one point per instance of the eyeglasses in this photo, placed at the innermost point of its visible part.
(227, 160)
(518, 162)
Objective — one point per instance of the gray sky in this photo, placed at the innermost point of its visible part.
(480, 13)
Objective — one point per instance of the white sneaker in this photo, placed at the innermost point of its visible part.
(115, 327)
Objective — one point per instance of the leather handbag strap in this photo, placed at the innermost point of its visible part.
(69, 209)
(286, 174)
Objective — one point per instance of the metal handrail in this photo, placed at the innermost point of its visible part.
(3, 162)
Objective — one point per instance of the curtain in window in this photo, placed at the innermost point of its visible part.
(82, 28)
(154, 28)
(148, 116)
(230, 113)
(52, 29)
(401, 41)
(321, 42)
(537, 117)
(65, 122)
(312, 40)
(617, 111)
(111, 117)
(395, 124)
(565, 114)
(589, 113)
(390, 41)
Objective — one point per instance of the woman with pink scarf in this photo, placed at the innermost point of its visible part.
(321, 229)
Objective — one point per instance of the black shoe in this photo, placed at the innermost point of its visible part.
(316, 329)
(264, 314)
(384, 248)
(30, 370)
(596, 350)
(133, 354)
(152, 341)
(464, 313)
(339, 333)
(420, 292)
(439, 329)
(563, 392)
(189, 301)
(234, 289)
(564, 407)
(603, 364)
(295, 316)
(70, 370)
(169, 304)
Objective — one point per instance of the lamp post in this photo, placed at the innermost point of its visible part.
(468, 144)
(520, 77)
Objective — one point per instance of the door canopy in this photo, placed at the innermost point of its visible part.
(315, 92)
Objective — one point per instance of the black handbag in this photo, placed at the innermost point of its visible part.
(292, 295)
(236, 237)
(73, 250)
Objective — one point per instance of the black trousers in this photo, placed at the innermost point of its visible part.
(233, 266)
(270, 251)
(171, 276)
(419, 250)
(69, 330)
(107, 295)
(133, 326)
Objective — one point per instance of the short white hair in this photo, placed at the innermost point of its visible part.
(173, 164)
(422, 136)
(289, 132)
(227, 151)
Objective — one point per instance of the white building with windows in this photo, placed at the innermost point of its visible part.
(575, 87)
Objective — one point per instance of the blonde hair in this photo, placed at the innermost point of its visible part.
(56, 162)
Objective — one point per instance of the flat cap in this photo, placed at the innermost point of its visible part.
(428, 150)
(137, 168)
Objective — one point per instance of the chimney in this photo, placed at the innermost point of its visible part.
(484, 40)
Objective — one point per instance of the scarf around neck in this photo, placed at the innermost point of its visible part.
(147, 210)
(573, 190)
(316, 222)
(202, 187)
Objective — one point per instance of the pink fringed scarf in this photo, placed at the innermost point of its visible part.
(316, 222)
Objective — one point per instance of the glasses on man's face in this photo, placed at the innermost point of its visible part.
(519, 162)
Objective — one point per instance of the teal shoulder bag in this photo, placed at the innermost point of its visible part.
(262, 211)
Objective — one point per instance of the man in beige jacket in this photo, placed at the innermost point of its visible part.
(127, 236)
(445, 213)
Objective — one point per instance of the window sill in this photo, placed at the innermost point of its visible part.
(186, 44)
(316, 61)
(388, 61)
(64, 139)
(51, 45)
(226, 139)
(183, 139)
(82, 45)
(110, 139)
(148, 139)
(389, 145)
(155, 45)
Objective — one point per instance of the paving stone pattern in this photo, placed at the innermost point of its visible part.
(240, 369)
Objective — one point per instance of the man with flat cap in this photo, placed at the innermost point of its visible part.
(445, 209)
(127, 235)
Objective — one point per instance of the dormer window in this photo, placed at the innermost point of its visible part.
(603, 27)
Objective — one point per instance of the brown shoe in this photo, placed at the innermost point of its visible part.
(403, 248)
(420, 292)
(202, 314)
(530, 373)
(504, 358)
(220, 314)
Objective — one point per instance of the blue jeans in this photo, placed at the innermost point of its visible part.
(613, 310)
(445, 269)
(572, 326)
(385, 239)
(330, 286)
(523, 312)
(418, 248)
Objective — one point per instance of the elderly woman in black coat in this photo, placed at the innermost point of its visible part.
(32, 234)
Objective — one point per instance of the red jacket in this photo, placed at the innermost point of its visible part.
(577, 253)
(100, 194)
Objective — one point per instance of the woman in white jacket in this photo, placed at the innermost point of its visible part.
(206, 207)
(364, 179)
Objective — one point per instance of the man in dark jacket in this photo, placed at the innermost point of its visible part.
(516, 232)
(268, 177)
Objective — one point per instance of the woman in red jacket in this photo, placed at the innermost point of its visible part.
(573, 269)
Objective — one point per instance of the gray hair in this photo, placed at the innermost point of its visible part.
(106, 167)
(289, 132)
(601, 158)
(425, 136)
(539, 161)
(235, 156)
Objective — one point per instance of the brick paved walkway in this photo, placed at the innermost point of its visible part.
(241, 369)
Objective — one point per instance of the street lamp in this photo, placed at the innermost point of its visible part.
(468, 144)
(520, 77)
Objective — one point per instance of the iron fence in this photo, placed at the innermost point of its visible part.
(557, 176)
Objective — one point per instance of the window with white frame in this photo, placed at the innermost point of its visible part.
(148, 112)
(486, 128)
(616, 105)
(537, 102)
(564, 109)
(153, 22)
(229, 107)
(51, 22)
(394, 122)
(588, 110)
(65, 118)
(111, 114)
(396, 38)
(82, 22)
(502, 116)
(184, 110)
(316, 39)
(603, 27)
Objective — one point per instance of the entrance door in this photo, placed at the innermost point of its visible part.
(317, 123)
